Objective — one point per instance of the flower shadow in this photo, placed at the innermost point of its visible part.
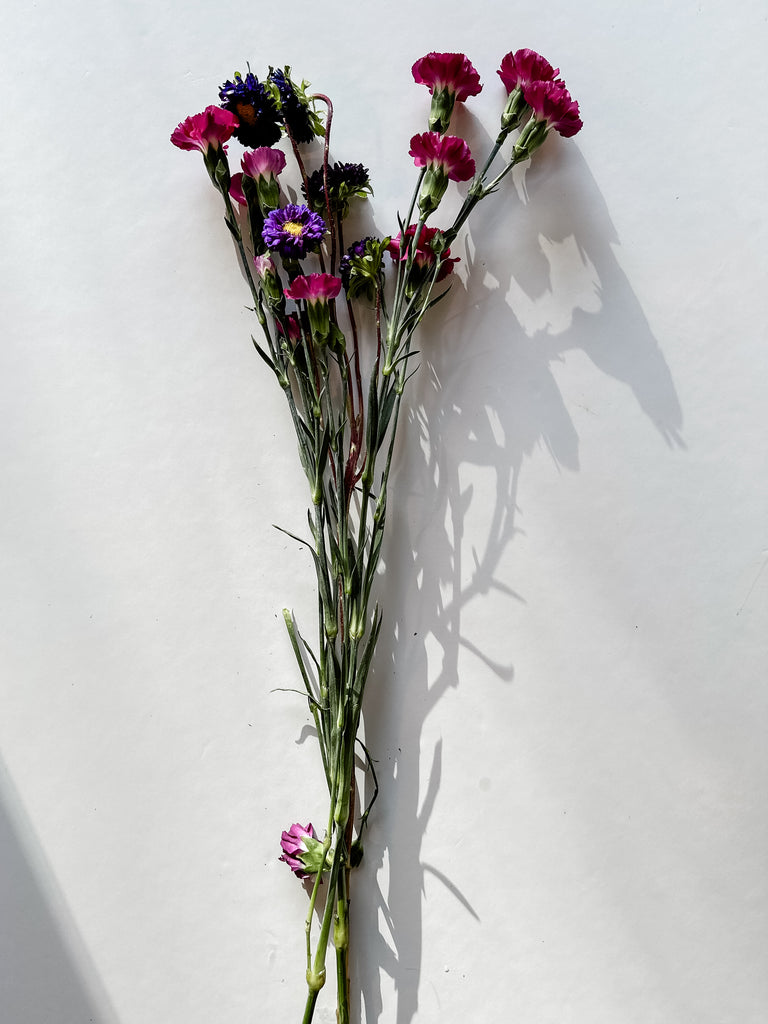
(485, 397)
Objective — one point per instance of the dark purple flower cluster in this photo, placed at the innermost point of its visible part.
(345, 264)
(296, 115)
(250, 101)
(345, 182)
(293, 231)
(361, 268)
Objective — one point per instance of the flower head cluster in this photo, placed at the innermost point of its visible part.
(302, 851)
(448, 153)
(345, 182)
(446, 158)
(450, 77)
(314, 288)
(293, 231)
(317, 290)
(523, 67)
(532, 84)
(361, 268)
(552, 105)
(424, 253)
(253, 104)
(261, 168)
(210, 129)
(263, 162)
(294, 106)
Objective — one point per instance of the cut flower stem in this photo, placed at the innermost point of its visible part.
(345, 431)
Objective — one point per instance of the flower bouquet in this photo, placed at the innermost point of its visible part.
(337, 327)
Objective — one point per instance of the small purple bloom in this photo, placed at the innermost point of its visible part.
(293, 231)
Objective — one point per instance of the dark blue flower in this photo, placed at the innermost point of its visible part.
(256, 110)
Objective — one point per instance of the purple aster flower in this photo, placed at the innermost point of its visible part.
(250, 100)
(293, 231)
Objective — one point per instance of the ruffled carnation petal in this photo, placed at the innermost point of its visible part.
(451, 71)
(449, 152)
(212, 127)
(263, 162)
(524, 66)
(314, 288)
(552, 103)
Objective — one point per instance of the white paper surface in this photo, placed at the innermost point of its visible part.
(568, 705)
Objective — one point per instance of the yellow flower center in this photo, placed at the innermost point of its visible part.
(293, 227)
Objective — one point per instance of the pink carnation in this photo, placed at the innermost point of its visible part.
(552, 104)
(450, 71)
(314, 288)
(263, 162)
(236, 189)
(294, 847)
(523, 67)
(292, 327)
(213, 127)
(265, 266)
(448, 152)
(423, 253)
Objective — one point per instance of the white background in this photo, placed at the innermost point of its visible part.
(568, 705)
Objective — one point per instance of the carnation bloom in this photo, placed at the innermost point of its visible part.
(291, 327)
(263, 162)
(265, 266)
(423, 256)
(552, 105)
(523, 67)
(449, 152)
(444, 157)
(450, 72)
(257, 113)
(314, 288)
(212, 128)
(293, 231)
(236, 189)
(302, 850)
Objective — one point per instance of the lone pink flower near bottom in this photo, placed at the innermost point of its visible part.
(302, 850)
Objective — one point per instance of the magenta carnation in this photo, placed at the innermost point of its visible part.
(213, 127)
(423, 253)
(551, 104)
(452, 72)
(263, 162)
(291, 328)
(236, 189)
(523, 67)
(450, 153)
(314, 288)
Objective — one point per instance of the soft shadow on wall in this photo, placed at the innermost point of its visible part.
(46, 975)
(557, 287)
